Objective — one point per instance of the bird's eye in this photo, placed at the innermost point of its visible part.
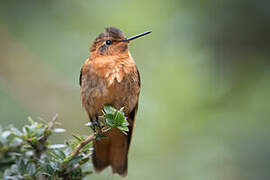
(108, 42)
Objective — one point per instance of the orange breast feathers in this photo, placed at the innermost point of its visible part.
(113, 68)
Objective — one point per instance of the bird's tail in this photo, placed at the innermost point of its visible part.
(112, 150)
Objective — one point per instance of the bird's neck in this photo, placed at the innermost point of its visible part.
(112, 60)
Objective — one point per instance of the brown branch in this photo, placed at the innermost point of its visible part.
(43, 138)
(41, 146)
(51, 123)
(78, 148)
(90, 138)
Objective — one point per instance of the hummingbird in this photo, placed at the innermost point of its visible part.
(110, 77)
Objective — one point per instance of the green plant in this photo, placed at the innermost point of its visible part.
(28, 154)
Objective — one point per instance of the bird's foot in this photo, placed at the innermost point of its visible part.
(95, 125)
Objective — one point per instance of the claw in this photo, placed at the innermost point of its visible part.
(95, 124)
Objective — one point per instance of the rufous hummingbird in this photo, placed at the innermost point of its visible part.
(110, 76)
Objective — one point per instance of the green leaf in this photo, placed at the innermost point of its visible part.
(109, 116)
(85, 160)
(125, 123)
(14, 169)
(54, 165)
(110, 123)
(59, 154)
(119, 118)
(49, 169)
(123, 128)
(40, 125)
(7, 173)
(27, 131)
(15, 131)
(75, 160)
(87, 173)
(31, 168)
(124, 132)
(21, 166)
(30, 120)
(108, 109)
(33, 139)
(78, 137)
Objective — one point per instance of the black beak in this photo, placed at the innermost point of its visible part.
(136, 36)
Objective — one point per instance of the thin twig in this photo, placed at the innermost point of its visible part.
(43, 138)
(90, 138)
(87, 140)
(41, 146)
(51, 123)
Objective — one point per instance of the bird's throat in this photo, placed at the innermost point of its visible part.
(113, 68)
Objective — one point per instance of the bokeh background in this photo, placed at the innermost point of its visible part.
(205, 99)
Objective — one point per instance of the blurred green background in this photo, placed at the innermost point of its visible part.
(205, 99)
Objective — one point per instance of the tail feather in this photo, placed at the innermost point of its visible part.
(100, 157)
(118, 152)
(111, 150)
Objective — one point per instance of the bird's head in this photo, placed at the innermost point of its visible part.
(112, 42)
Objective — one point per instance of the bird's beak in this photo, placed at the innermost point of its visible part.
(136, 36)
